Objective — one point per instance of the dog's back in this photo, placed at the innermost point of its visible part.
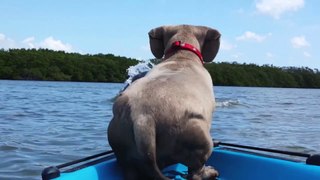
(164, 118)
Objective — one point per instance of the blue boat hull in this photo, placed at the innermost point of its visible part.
(240, 165)
(231, 163)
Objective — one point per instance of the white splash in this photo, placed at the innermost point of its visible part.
(141, 67)
(227, 102)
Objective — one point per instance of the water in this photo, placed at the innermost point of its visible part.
(49, 123)
(287, 119)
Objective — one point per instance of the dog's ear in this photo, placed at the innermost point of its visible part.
(211, 45)
(156, 42)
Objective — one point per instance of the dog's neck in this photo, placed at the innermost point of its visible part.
(178, 45)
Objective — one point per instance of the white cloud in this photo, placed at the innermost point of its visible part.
(6, 42)
(55, 44)
(248, 35)
(237, 56)
(299, 42)
(145, 47)
(276, 8)
(30, 42)
(225, 45)
(269, 55)
(306, 54)
(2, 37)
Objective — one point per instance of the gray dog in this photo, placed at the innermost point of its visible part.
(165, 117)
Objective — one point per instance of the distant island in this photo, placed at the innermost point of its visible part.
(44, 64)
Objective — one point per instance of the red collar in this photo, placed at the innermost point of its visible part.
(177, 45)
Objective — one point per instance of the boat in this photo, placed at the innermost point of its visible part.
(232, 161)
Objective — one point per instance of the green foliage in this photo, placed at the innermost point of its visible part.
(234, 74)
(44, 64)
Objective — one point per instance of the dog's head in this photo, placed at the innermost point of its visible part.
(207, 40)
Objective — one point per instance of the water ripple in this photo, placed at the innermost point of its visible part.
(49, 123)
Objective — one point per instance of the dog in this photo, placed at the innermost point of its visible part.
(165, 117)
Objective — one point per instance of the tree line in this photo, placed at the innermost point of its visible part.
(44, 64)
(234, 74)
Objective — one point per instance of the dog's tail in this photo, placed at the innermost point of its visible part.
(145, 138)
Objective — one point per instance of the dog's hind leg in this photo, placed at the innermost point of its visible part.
(196, 150)
(145, 138)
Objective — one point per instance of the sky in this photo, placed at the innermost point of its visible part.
(273, 32)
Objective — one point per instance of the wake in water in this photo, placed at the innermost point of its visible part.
(139, 70)
(226, 102)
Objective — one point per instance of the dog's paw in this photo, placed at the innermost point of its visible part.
(206, 173)
(209, 173)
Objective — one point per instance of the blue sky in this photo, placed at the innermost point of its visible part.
(278, 32)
